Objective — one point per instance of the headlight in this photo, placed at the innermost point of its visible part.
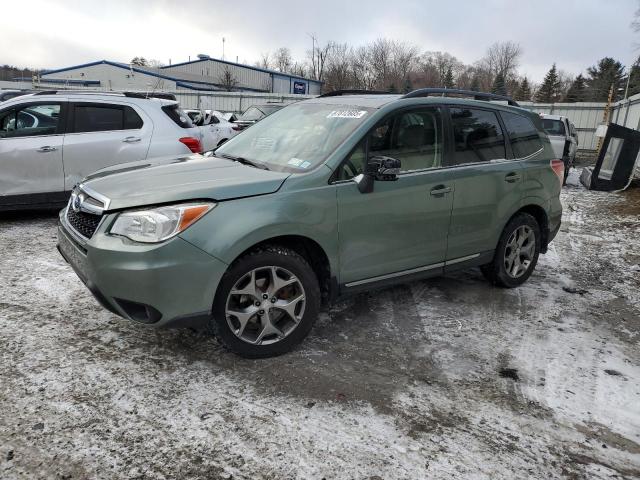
(158, 224)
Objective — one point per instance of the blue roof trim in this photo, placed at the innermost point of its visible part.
(185, 83)
(250, 67)
(71, 81)
(125, 67)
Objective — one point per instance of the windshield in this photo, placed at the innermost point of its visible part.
(296, 138)
(553, 127)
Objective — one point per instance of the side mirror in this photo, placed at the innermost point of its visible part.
(385, 169)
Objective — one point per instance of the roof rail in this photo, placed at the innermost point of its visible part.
(338, 93)
(162, 95)
(425, 92)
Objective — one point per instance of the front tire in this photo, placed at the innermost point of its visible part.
(517, 252)
(266, 303)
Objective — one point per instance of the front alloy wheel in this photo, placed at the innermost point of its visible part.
(266, 302)
(265, 305)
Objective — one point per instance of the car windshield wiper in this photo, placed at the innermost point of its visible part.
(244, 161)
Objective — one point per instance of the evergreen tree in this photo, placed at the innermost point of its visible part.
(548, 91)
(392, 88)
(577, 91)
(499, 86)
(634, 81)
(475, 84)
(607, 72)
(447, 81)
(523, 92)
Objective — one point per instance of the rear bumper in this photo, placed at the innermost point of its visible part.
(165, 285)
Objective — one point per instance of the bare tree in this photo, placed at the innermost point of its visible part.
(265, 60)
(318, 57)
(435, 66)
(403, 60)
(337, 71)
(228, 80)
(153, 63)
(502, 58)
(282, 60)
(362, 73)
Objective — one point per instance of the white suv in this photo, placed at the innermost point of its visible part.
(49, 141)
(563, 137)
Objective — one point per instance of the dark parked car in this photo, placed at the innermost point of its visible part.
(255, 113)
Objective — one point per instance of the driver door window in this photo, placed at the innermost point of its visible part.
(415, 138)
(30, 121)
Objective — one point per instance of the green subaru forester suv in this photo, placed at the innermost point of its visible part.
(338, 194)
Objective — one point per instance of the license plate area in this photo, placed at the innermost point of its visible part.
(73, 253)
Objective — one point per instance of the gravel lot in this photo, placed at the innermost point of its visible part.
(445, 378)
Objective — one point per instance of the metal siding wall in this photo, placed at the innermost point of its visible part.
(231, 101)
(281, 84)
(212, 71)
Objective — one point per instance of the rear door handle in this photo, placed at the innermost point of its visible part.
(131, 139)
(512, 177)
(440, 190)
(47, 148)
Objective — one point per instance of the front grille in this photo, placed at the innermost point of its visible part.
(83, 223)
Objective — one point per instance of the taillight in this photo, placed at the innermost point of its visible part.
(192, 144)
(558, 168)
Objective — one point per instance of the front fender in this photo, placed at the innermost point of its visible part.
(235, 226)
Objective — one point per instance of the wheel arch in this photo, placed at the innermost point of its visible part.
(311, 251)
(540, 214)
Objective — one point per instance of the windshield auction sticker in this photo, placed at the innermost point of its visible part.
(347, 114)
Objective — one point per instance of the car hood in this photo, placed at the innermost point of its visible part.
(174, 179)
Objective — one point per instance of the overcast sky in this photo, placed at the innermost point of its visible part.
(572, 33)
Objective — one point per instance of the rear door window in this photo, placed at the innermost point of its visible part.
(104, 118)
(477, 135)
(523, 135)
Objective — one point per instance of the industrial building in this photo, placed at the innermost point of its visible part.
(203, 74)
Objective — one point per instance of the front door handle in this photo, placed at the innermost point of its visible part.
(47, 148)
(512, 177)
(440, 190)
(131, 139)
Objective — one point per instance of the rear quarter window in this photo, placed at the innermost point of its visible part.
(523, 135)
(175, 113)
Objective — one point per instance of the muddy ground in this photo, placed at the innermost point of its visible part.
(445, 378)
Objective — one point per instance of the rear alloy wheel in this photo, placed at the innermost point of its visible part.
(517, 252)
(266, 303)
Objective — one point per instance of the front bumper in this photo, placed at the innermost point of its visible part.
(168, 284)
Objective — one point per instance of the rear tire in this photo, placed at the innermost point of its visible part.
(266, 303)
(517, 252)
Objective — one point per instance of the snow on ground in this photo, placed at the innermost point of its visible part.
(445, 378)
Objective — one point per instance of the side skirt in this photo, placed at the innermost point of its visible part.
(407, 276)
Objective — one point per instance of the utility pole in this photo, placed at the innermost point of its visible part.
(223, 40)
(605, 115)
